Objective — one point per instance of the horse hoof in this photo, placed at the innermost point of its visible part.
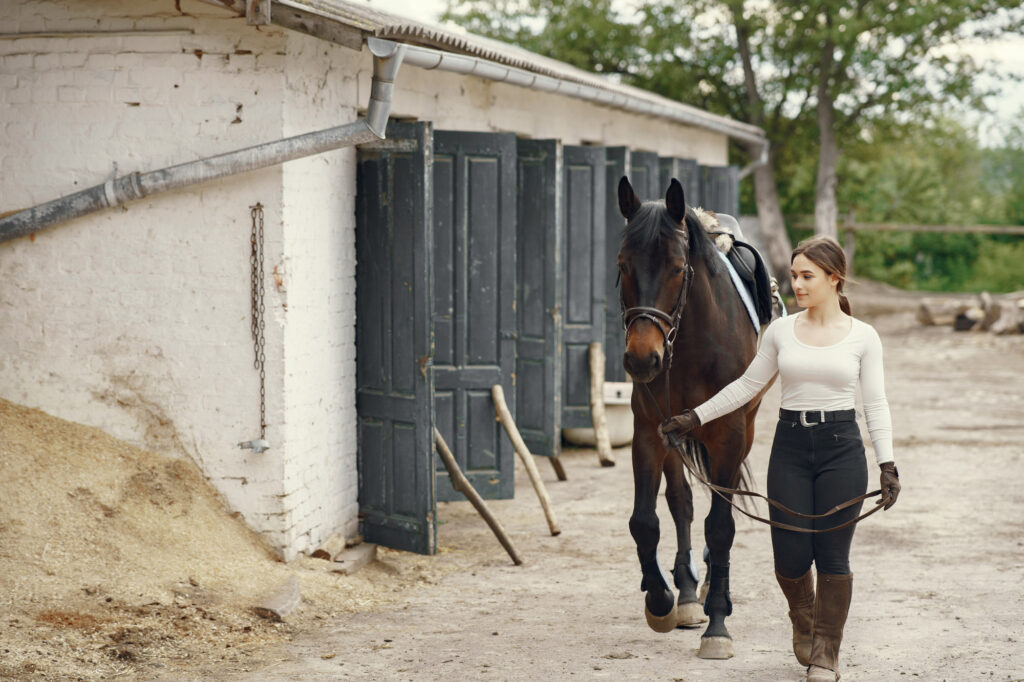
(716, 648)
(690, 615)
(666, 623)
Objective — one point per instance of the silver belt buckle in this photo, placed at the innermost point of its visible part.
(803, 417)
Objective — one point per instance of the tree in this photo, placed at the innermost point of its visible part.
(811, 73)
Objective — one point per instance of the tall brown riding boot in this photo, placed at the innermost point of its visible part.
(800, 595)
(831, 605)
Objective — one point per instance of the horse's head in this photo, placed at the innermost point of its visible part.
(654, 272)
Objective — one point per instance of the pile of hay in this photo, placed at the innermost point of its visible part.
(115, 560)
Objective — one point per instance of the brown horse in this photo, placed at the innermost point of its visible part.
(687, 336)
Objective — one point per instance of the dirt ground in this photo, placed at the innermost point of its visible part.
(937, 592)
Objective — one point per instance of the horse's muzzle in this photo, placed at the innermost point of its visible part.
(642, 369)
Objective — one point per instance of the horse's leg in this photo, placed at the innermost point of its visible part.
(685, 574)
(726, 456)
(659, 602)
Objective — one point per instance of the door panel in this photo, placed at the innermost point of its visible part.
(584, 185)
(720, 189)
(686, 171)
(393, 335)
(644, 175)
(474, 205)
(617, 160)
(539, 287)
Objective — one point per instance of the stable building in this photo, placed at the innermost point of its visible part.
(287, 239)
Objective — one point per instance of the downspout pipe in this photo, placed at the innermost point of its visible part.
(119, 190)
(761, 160)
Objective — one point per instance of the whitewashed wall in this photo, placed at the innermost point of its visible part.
(136, 320)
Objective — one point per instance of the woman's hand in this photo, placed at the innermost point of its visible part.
(890, 483)
(681, 424)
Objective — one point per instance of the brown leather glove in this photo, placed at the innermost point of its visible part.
(890, 482)
(680, 425)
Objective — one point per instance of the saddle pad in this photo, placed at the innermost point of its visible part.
(741, 289)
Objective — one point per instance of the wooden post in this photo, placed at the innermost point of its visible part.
(556, 464)
(462, 484)
(505, 417)
(604, 444)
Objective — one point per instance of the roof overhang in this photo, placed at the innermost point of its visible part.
(351, 24)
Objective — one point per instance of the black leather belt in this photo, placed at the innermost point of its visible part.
(812, 417)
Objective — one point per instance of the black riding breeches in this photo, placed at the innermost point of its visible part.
(812, 469)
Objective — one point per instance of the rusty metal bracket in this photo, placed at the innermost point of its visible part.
(257, 12)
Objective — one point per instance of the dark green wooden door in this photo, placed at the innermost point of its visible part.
(538, 303)
(393, 340)
(583, 310)
(617, 164)
(474, 200)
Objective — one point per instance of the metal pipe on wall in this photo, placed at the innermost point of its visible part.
(136, 185)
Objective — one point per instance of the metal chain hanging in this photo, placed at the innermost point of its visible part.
(256, 263)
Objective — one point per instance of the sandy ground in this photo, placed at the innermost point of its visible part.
(937, 595)
(937, 592)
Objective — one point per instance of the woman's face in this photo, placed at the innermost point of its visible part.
(811, 284)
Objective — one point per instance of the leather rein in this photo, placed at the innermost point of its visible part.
(631, 315)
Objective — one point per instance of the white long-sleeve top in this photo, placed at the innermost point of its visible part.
(815, 378)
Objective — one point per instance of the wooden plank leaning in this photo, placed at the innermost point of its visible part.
(597, 414)
(505, 417)
(462, 484)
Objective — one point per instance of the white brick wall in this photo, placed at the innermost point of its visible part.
(136, 320)
(319, 261)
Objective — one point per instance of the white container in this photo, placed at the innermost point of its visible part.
(618, 414)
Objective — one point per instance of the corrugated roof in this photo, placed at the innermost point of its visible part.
(400, 29)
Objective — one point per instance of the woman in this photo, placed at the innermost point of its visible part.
(817, 458)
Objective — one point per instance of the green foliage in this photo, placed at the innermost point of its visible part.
(942, 262)
(887, 69)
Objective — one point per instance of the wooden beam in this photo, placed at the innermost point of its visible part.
(802, 223)
(462, 484)
(597, 413)
(505, 417)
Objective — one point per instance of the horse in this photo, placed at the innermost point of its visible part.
(687, 336)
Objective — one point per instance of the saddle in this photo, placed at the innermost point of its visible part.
(751, 268)
(747, 261)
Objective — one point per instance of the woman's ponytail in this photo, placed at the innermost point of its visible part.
(844, 304)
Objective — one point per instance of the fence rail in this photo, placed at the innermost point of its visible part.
(847, 225)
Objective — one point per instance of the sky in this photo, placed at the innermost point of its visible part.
(1008, 55)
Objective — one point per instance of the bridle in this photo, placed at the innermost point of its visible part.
(673, 319)
(640, 312)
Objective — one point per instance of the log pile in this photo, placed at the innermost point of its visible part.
(1001, 314)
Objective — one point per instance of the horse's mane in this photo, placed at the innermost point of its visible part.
(652, 224)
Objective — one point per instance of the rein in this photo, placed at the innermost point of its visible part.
(725, 492)
(631, 315)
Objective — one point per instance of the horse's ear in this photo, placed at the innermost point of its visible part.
(675, 202)
(629, 203)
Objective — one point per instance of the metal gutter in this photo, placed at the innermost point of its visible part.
(437, 47)
(638, 103)
(136, 185)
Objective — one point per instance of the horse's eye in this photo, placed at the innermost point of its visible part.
(677, 271)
